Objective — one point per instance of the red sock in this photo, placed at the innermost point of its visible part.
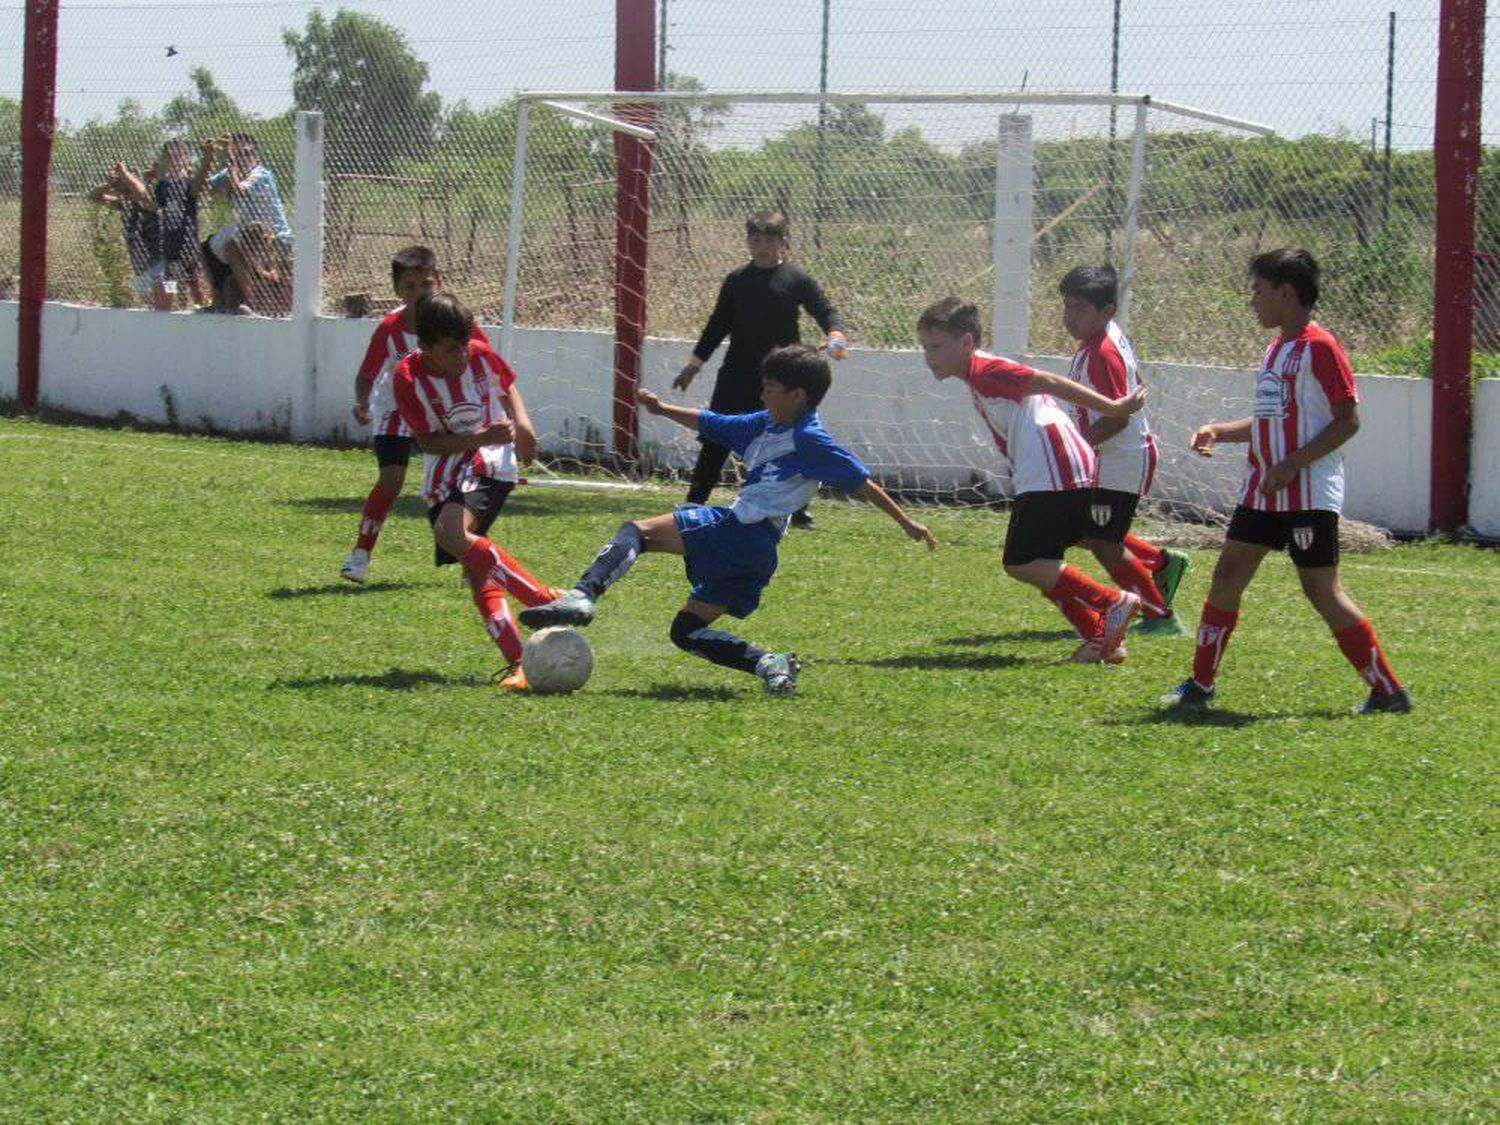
(1360, 644)
(1149, 553)
(1082, 600)
(1130, 573)
(1214, 628)
(488, 561)
(489, 599)
(377, 507)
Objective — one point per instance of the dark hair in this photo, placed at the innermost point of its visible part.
(412, 258)
(1288, 266)
(1095, 284)
(442, 316)
(799, 367)
(768, 222)
(953, 316)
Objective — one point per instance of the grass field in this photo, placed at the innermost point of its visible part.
(273, 848)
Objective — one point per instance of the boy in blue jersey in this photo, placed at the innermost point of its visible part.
(730, 553)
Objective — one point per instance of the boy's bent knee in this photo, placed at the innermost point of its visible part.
(685, 626)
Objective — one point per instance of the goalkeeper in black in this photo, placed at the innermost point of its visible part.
(757, 309)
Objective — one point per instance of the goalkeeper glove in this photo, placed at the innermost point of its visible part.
(837, 345)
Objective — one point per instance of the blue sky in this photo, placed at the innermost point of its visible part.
(1297, 65)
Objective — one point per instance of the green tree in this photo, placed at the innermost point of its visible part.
(360, 72)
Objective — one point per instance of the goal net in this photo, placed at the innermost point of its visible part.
(894, 202)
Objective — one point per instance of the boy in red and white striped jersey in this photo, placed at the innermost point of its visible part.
(1052, 470)
(1305, 409)
(1125, 447)
(414, 272)
(460, 401)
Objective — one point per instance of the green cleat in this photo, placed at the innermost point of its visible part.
(1167, 626)
(572, 608)
(1169, 577)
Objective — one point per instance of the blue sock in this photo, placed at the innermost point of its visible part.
(610, 565)
(692, 634)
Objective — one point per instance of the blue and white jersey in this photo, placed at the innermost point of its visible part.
(786, 463)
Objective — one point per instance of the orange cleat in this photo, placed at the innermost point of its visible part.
(514, 678)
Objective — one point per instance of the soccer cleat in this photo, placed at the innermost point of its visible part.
(1167, 626)
(1397, 702)
(802, 520)
(1092, 652)
(1116, 620)
(573, 607)
(1189, 695)
(1169, 577)
(356, 566)
(778, 671)
(514, 678)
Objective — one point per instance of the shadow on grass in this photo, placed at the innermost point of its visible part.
(971, 640)
(934, 661)
(393, 679)
(339, 589)
(678, 693)
(1218, 717)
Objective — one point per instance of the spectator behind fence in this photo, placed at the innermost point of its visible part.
(249, 184)
(246, 272)
(124, 192)
(175, 200)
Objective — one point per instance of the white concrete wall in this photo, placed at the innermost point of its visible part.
(242, 374)
(1484, 470)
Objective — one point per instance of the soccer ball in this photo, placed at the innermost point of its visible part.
(558, 659)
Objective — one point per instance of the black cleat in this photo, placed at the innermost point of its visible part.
(1397, 702)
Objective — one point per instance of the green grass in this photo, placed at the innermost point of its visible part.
(272, 848)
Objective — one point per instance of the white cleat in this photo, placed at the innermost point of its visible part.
(1116, 620)
(1092, 652)
(356, 566)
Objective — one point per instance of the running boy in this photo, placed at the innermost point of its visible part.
(1125, 447)
(414, 273)
(461, 403)
(1305, 409)
(730, 553)
(1052, 469)
(757, 309)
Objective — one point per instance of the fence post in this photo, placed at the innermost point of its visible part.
(1010, 313)
(1132, 214)
(307, 268)
(635, 64)
(38, 104)
(513, 234)
(1456, 173)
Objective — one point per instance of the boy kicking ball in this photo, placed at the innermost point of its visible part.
(463, 408)
(1305, 410)
(730, 553)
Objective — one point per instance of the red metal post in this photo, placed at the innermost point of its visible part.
(1456, 157)
(635, 69)
(38, 101)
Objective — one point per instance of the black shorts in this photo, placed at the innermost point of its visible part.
(1111, 513)
(1043, 525)
(392, 450)
(483, 500)
(1311, 538)
(219, 270)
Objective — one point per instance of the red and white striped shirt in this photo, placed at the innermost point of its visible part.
(1033, 431)
(462, 404)
(1300, 382)
(390, 343)
(1106, 363)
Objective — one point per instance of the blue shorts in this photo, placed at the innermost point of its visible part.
(728, 562)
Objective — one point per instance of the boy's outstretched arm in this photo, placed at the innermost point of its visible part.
(1205, 437)
(682, 415)
(1045, 383)
(882, 499)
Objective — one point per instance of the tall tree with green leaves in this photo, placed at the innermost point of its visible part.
(361, 73)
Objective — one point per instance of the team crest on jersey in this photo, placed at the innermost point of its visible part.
(1303, 537)
(1100, 514)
